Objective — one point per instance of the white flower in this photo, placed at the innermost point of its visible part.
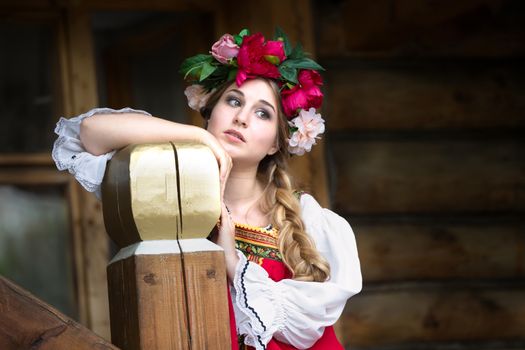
(197, 96)
(309, 125)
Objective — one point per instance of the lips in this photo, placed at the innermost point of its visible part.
(236, 134)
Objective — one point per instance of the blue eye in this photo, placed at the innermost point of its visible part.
(233, 101)
(263, 114)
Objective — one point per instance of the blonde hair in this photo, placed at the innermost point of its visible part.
(279, 202)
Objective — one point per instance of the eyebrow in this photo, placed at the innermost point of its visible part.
(262, 101)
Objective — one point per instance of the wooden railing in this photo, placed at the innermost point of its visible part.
(28, 323)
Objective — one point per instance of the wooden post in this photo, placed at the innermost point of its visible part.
(167, 284)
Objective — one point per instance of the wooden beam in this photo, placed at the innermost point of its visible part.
(429, 175)
(33, 159)
(101, 5)
(436, 249)
(464, 28)
(450, 312)
(424, 95)
(28, 323)
(81, 97)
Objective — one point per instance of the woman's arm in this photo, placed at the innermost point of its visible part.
(103, 133)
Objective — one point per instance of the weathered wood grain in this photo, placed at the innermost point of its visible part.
(28, 323)
(435, 314)
(122, 5)
(82, 96)
(364, 95)
(429, 176)
(148, 302)
(436, 250)
(463, 28)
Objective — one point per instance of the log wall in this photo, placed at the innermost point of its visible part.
(425, 115)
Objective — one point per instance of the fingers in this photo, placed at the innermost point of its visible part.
(223, 159)
(225, 166)
(226, 237)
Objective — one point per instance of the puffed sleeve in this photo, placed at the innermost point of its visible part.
(69, 153)
(297, 312)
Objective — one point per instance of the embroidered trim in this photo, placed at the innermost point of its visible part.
(249, 248)
(248, 306)
(271, 231)
(267, 238)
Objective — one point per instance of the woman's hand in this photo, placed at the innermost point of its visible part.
(226, 239)
(223, 158)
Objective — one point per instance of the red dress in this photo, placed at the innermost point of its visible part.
(259, 245)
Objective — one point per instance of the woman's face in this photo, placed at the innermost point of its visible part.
(245, 121)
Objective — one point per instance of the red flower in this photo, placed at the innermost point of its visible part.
(304, 95)
(255, 58)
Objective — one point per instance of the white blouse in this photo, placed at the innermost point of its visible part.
(294, 312)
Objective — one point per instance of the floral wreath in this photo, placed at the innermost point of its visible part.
(244, 56)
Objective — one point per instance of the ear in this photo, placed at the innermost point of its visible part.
(274, 149)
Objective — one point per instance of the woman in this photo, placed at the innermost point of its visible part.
(291, 264)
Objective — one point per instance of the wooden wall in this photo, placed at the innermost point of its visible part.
(425, 110)
(424, 150)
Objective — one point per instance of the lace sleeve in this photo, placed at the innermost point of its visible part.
(69, 152)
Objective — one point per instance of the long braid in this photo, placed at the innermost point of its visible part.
(297, 248)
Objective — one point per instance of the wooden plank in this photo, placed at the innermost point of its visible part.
(32, 177)
(440, 250)
(100, 5)
(33, 159)
(429, 176)
(420, 28)
(207, 300)
(425, 96)
(26, 322)
(148, 301)
(95, 243)
(439, 313)
(74, 190)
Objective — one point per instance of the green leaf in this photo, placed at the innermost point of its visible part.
(281, 36)
(238, 40)
(207, 70)
(288, 73)
(244, 32)
(221, 74)
(272, 59)
(238, 37)
(302, 63)
(193, 61)
(297, 52)
(232, 74)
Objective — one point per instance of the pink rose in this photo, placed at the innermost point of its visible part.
(197, 96)
(309, 125)
(225, 49)
(258, 58)
(304, 95)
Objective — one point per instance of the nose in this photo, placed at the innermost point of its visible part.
(241, 117)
